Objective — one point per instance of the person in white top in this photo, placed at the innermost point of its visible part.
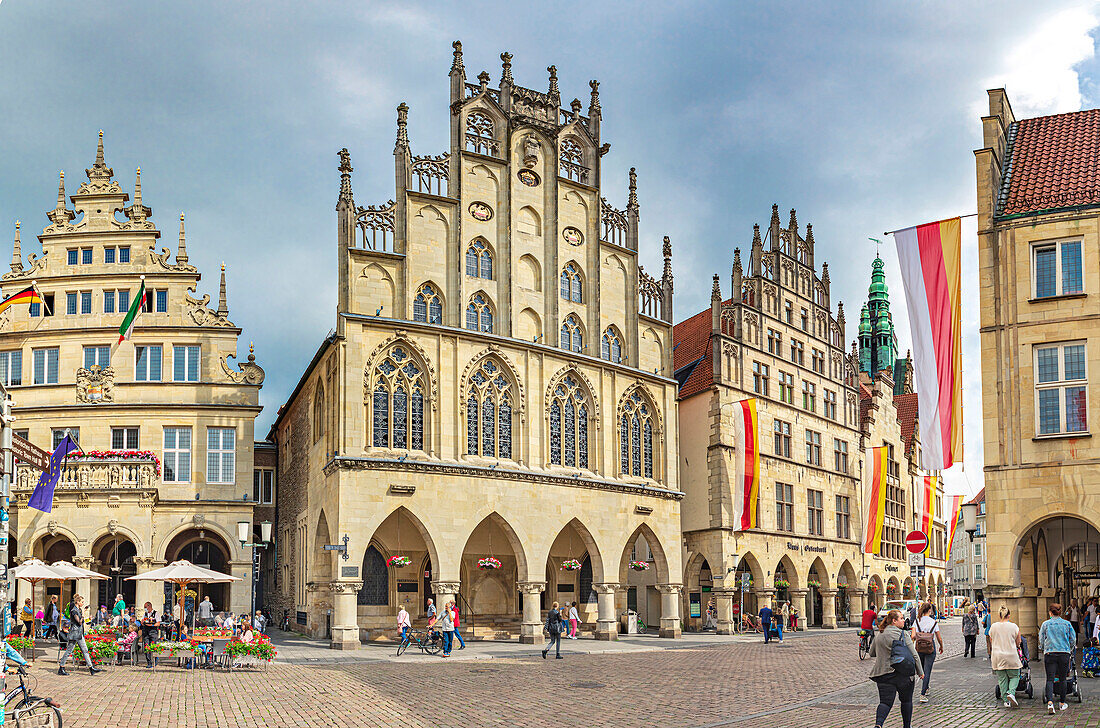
(229, 624)
(404, 624)
(926, 632)
(574, 620)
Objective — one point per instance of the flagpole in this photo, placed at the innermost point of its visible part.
(954, 217)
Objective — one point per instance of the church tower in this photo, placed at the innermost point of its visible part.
(878, 344)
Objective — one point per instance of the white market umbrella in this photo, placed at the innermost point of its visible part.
(34, 571)
(183, 573)
(72, 571)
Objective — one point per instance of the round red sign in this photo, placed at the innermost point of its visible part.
(916, 542)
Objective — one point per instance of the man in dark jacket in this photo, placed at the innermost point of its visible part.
(554, 624)
(766, 623)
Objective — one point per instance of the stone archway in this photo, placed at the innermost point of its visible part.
(817, 584)
(204, 548)
(52, 547)
(876, 592)
(492, 560)
(893, 588)
(644, 582)
(573, 564)
(114, 556)
(397, 554)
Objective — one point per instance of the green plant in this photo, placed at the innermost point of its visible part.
(259, 650)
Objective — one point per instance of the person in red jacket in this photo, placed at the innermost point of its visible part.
(458, 635)
(868, 621)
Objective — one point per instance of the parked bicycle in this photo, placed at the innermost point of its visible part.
(429, 641)
(20, 703)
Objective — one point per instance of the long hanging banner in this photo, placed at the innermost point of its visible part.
(956, 501)
(929, 256)
(929, 484)
(746, 470)
(876, 504)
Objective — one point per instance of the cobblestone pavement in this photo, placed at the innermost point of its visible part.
(813, 679)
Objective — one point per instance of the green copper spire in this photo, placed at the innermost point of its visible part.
(878, 344)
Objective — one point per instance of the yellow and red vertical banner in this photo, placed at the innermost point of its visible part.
(928, 485)
(956, 501)
(876, 504)
(746, 470)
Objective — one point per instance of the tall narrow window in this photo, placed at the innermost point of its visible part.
(571, 334)
(147, 363)
(11, 367)
(636, 451)
(611, 348)
(185, 363)
(397, 402)
(760, 378)
(45, 366)
(490, 434)
(571, 284)
(479, 261)
(569, 424)
(479, 136)
(479, 314)
(221, 455)
(427, 305)
(177, 454)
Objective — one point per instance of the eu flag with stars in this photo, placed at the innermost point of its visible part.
(42, 497)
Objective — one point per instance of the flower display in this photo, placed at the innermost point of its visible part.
(19, 643)
(399, 561)
(873, 587)
(782, 583)
(101, 648)
(171, 649)
(104, 630)
(212, 632)
(570, 565)
(814, 583)
(488, 563)
(120, 455)
(639, 565)
(259, 650)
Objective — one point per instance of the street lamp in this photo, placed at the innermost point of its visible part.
(970, 519)
(243, 532)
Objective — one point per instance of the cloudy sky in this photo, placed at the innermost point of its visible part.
(863, 118)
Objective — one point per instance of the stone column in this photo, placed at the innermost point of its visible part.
(607, 626)
(670, 610)
(764, 598)
(83, 586)
(828, 608)
(530, 631)
(345, 615)
(859, 603)
(445, 591)
(798, 597)
(724, 602)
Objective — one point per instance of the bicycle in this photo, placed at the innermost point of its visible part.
(641, 626)
(864, 643)
(19, 703)
(429, 642)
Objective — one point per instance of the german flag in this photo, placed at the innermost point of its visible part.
(28, 295)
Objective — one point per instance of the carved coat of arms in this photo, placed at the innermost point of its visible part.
(95, 385)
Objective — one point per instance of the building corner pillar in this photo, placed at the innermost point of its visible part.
(607, 626)
(530, 630)
(828, 608)
(670, 610)
(798, 600)
(724, 604)
(345, 617)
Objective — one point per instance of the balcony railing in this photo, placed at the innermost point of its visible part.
(110, 473)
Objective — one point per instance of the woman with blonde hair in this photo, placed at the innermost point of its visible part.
(970, 631)
(1005, 656)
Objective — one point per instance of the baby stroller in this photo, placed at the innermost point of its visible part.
(1071, 681)
(1024, 687)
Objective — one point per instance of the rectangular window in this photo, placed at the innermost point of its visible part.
(818, 361)
(147, 363)
(840, 455)
(124, 438)
(221, 455)
(263, 485)
(1061, 382)
(782, 438)
(86, 256)
(1057, 269)
(11, 367)
(45, 366)
(60, 432)
(829, 399)
(108, 302)
(805, 320)
(97, 356)
(123, 301)
(162, 300)
(760, 378)
(977, 548)
(784, 507)
(109, 255)
(775, 342)
(124, 254)
(786, 387)
(177, 454)
(70, 304)
(85, 302)
(185, 363)
(815, 510)
(977, 572)
(798, 351)
(813, 447)
(809, 396)
(843, 517)
(789, 310)
(73, 256)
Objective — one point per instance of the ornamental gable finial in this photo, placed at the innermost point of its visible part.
(137, 212)
(402, 123)
(181, 252)
(793, 226)
(345, 175)
(632, 198)
(506, 68)
(716, 290)
(594, 104)
(100, 172)
(61, 214)
(223, 308)
(554, 93)
(17, 253)
(456, 64)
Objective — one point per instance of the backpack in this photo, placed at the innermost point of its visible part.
(901, 658)
(555, 622)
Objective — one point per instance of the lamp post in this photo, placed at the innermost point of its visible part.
(970, 519)
(243, 532)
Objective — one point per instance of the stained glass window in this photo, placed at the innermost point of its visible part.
(428, 306)
(489, 412)
(636, 437)
(396, 417)
(400, 417)
(506, 427)
(647, 454)
(571, 284)
(571, 339)
(624, 444)
(582, 436)
(471, 425)
(488, 425)
(479, 314)
(635, 446)
(555, 432)
(570, 434)
(569, 424)
(479, 261)
(381, 416)
(416, 420)
(611, 348)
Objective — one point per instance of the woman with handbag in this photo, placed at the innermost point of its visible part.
(75, 636)
(926, 630)
(896, 668)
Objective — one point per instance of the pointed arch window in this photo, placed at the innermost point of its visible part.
(611, 347)
(427, 305)
(376, 579)
(636, 437)
(571, 339)
(479, 134)
(479, 260)
(489, 412)
(572, 161)
(571, 284)
(318, 412)
(398, 385)
(569, 415)
(479, 314)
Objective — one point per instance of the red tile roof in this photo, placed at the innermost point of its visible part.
(1052, 162)
(864, 402)
(906, 405)
(692, 342)
(980, 498)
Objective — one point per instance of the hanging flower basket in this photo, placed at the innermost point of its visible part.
(782, 583)
(570, 565)
(398, 561)
(639, 565)
(873, 587)
(891, 589)
(842, 587)
(814, 583)
(488, 563)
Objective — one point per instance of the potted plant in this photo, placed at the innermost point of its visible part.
(488, 563)
(814, 583)
(639, 565)
(782, 584)
(570, 565)
(398, 562)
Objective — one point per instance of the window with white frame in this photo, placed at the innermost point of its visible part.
(124, 438)
(221, 454)
(1061, 388)
(11, 367)
(263, 485)
(1057, 269)
(147, 363)
(97, 356)
(177, 454)
(185, 363)
(45, 366)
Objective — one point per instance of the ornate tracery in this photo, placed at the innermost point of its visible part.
(569, 415)
(489, 411)
(479, 260)
(571, 336)
(479, 314)
(571, 283)
(611, 347)
(428, 305)
(398, 387)
(637, 435)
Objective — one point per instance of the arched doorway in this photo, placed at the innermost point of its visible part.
(846, 586)
(206, 549)
(491, 562)
(393, 572)
(569, 571)
(876, 592)
(115, 557)
(747, 579)
(893, 588)
(643, 566)
(51, 548)
(909, 589)
(817, 579)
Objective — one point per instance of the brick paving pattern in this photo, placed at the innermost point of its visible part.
(813, 679)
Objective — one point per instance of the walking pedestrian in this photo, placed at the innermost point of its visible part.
(26, 616)
(1075, 618)
(447, 626)
(206, 612)
(970, 631)
(404, 624)
(458, 635)
(431, 611)
(1090, 615)
(75, 636)
(259, 622)
(52, 618)
(149, 632)
(766, 623)
(987, 622)
(784, 617)
(1056, 642)
(926, 631)
(1005, 656)
(554, 629)
(574, 620)
(897, 665)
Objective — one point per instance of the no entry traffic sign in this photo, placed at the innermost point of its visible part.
(916, 542)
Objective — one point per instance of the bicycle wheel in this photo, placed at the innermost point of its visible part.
(40, 708)
(864, 649)
(433, 646)
(403, 646)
